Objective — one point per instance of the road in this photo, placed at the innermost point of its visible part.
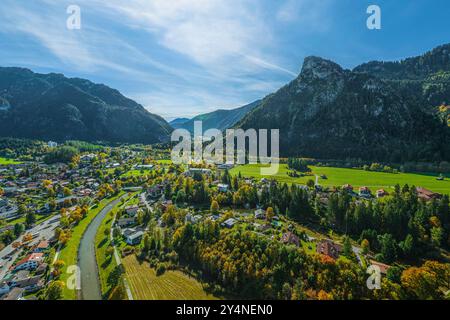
(90, 283)
(46, 231)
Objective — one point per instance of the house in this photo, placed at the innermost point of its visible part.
(381, 193)
(192, 219)
(427, 195)
(261, 227)
(52, 144)
(223, 187)
(260, 214)
(134, 238)
(192, 171)
(347, 187)
(214, 217)
(41, 269)
(126, 222)
(329, 248)
(30, 284)
(230, 223)
(290, 238)
(364, 192)
(144, 167)
(225, 166)
(155, 191)
(30, 262)
(41, 246)
(383, 267)
(4, 288)
(128, 231)
(15, 294)
(132, 210)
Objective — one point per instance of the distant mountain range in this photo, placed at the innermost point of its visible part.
(385, 111)
(51, 106)
(219, 119)
(379, 111)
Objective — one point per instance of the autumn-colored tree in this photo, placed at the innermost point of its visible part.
(430, 281)
(214, 206)
(365, 246)
(54, 290)
(323, 295)
(58, 266)
(27, 238)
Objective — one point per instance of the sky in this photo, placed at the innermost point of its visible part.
(181, 58)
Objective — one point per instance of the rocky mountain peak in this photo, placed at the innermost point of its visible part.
(319, 68)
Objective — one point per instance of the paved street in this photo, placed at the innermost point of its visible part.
(45, 230)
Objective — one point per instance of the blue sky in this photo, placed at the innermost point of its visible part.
(185, 57)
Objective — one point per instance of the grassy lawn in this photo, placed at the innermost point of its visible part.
(105, 264)
(309, 247)
(164, 161)
(69, 254)
(39, 219)
(355, 177)
(135, 173)
(172, 285)
(5, 161)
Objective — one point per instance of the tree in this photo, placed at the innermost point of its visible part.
(58, 266)
(118, 292)
(30, 219)
(407, 246)
(269, 214)
(109, 252)
(18, 229)
(310, 183)
(214, 206)
(365, 245)
(54, 290)
(437, 235)
(27, 238)
(388, 248)
(347, 249)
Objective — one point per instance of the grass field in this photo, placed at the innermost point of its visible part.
(39, 219)
(172, 285)
(5, 161)
(69, 253)
(135, 173)
(105, 264)
(355, 177)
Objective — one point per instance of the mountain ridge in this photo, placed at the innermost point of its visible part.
(331, 112)
(221, 119)
(54, 107)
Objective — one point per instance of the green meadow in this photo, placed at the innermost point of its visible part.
(355, 177)
(6, 161)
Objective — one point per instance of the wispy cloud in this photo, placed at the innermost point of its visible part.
(222, 52)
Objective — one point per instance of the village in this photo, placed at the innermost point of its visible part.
(41, 203)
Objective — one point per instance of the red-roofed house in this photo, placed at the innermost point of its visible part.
(427, 195)
(383, 267)
(329, 248)
(290, 238)
(381, 193)
(42, 246)
(30, 262)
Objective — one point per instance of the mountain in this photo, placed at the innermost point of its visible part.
(176, 123)
(53, 107)
(219, 119)
(379, 111)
